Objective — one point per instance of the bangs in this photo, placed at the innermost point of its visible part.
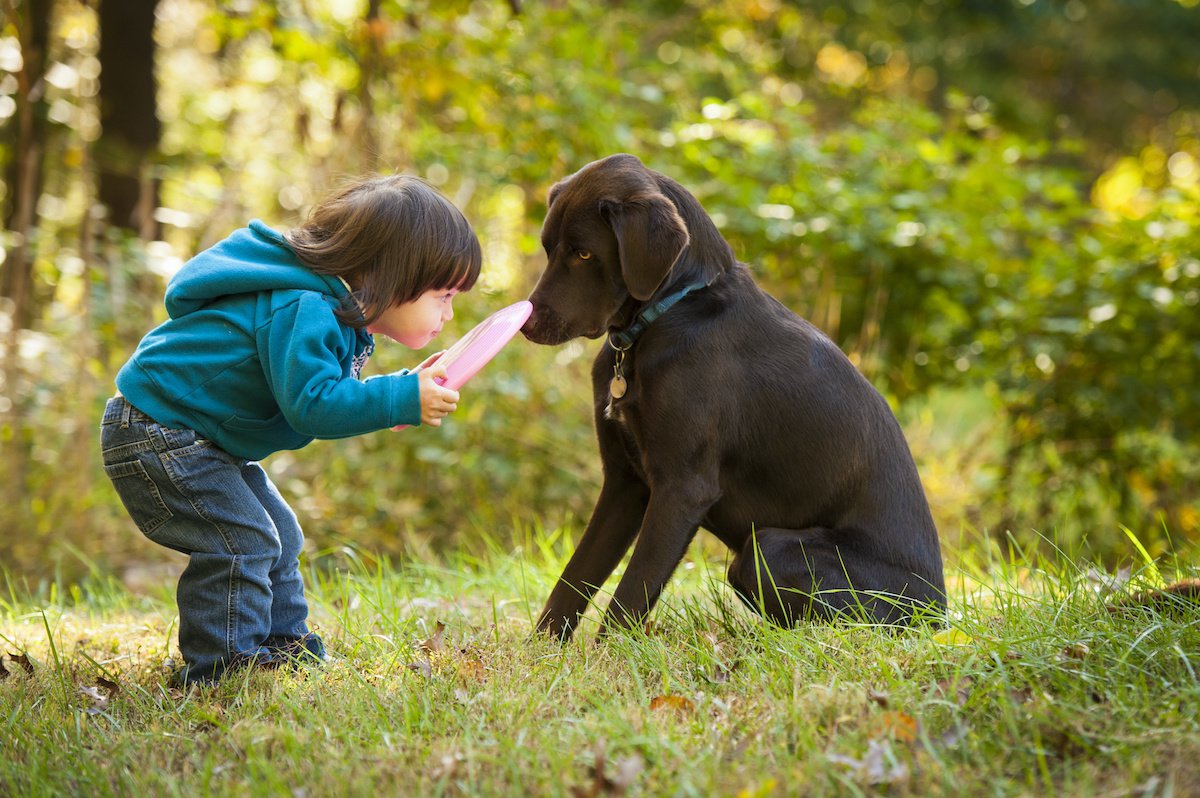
(459, 264)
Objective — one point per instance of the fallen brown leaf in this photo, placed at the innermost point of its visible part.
(421, 666)
(100, 696)
(878, 766)
(435, 643)
(901, 727)
(720, 675)
(953, 736)
(433, 648)
(470, 669)
(678, 703)
(627, 770)
(446, 765)
(24, 661)
(881, 765)
(961, 689)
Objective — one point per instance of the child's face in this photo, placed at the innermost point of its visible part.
(416, 323)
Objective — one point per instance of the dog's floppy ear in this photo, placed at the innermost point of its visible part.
(555, 190)
(650, 235)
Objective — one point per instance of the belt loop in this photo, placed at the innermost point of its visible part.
(126, 411)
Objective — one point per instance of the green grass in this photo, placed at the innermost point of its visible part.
(1034, 688)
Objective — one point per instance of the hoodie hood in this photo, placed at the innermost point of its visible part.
(251, 260)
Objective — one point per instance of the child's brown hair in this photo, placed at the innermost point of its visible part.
(391, 239)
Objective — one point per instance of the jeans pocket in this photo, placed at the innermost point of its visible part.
(140, 495)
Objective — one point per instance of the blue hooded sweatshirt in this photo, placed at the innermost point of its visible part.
(254, 359)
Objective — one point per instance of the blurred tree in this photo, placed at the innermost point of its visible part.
(1117, 73)
(127, 150)
(27, 141)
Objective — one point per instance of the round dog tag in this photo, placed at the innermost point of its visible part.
(616, 388)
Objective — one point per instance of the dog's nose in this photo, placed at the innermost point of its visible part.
(544, 327)
(529, 328)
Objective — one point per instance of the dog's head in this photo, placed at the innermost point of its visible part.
(612, 235)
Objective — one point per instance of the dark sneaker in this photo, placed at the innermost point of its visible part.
(261, 658)
(307, 650)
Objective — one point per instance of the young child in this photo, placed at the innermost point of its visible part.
(262, 352)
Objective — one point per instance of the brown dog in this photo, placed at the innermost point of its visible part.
(716, 406)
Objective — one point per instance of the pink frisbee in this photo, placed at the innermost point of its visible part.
(473, 351)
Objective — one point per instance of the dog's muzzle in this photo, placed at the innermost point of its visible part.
(544, 326)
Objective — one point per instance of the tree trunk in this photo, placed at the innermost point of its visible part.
(368, 68)
(128, 115)
(24, 171)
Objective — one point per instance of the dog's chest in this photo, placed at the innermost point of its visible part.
(621, 385)
(620, 409)
(630, 445)
(621, 422)
(615, 409)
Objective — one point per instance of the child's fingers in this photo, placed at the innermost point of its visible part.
(443, 407)
(435, 372)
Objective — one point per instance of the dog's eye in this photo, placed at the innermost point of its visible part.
(584, 254)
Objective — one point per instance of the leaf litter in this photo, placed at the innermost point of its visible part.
(897, 738)
(99, 695)
(438, 655)
(624, 773)
(24, 661)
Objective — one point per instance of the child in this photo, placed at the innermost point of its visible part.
(262, 351)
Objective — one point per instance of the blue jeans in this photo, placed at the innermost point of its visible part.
(241, 597)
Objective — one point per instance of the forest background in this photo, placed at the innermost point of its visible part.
(992, 205)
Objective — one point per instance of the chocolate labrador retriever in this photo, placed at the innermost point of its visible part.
(717, 407)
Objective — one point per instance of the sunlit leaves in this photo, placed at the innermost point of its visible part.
(934, 215)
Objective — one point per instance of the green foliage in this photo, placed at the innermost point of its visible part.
(1111, 72)
(1104, 382)
(888, 172)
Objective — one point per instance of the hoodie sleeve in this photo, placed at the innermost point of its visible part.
(303, 349)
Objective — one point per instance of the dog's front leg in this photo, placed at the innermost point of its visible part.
(614, 522)
(667, 528)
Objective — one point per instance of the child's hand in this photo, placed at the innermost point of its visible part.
(436, 402)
